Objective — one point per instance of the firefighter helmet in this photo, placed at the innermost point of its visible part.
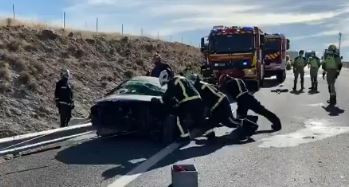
(301, 52)
(65, 73)
(165, 77)
(332, 48)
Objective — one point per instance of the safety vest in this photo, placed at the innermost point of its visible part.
(299, 62)
(209, 94)
(330, 63)
(181, 90)
(314, 63)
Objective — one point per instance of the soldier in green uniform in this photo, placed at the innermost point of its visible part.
(332, 66)
(298, 69)
(314, 65)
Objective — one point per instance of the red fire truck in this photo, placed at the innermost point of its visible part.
(235, 51)
(274, 54)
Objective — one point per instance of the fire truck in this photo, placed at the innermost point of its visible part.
(274, 55)
(235, 51)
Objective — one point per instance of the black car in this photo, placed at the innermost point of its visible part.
(128, 109)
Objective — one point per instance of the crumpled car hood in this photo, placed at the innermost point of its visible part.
(113, 98)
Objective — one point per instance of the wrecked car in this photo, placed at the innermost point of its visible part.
(128, 109)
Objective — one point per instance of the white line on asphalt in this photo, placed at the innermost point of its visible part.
(41, 143)
(24, 136)
(145, 166)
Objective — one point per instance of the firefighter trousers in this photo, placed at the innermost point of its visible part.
(65, 114)
(191, 115)
(222, 114)
(249, 102)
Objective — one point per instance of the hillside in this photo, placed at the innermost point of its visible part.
(32, 56)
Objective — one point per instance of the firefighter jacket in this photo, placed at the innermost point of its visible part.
(64, 93)
(159, 68)
(332, 62)
(180, 91)
(235, 87)
(210, 95)
(299, 63)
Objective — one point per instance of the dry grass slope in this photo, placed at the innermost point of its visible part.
(32, 55)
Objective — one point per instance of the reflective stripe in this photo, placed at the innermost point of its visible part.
(64, 87)
(180, 127)
(185, 135)
(208, 132)
(178, 81)
(240, 89)
(218, 102)
(64, 103)
(56, 99)
(189, 99)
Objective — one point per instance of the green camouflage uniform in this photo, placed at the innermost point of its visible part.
(314, 63)
(332, 65)
(298, 70)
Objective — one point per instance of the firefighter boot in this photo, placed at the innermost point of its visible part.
(315, 87)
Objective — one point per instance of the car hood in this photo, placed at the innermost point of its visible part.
(114, 98)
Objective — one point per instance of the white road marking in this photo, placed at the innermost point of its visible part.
(30, 135)
(314, 130)
(145, 166)
(7, 151)
(316, 105)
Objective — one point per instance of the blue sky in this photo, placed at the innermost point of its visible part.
(310, 24)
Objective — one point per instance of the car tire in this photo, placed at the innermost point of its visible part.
(169, 129)
(281, 76)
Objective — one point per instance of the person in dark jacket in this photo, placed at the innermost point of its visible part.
(64, 98)
(219, 110)
(185, 101)
(159, 66)
(237, 90)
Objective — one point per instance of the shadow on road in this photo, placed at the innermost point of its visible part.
(333, 110)
(297, 92)
(124, 151)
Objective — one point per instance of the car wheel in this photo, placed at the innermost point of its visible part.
(169, 129)
(281, 76)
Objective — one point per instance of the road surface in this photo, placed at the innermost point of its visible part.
(312, 149)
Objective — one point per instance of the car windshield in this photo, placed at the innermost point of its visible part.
(231, 43)
(272, 44)
(140, 86)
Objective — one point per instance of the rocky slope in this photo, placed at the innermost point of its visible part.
(31, 58)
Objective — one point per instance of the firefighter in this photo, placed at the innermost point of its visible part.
(64, 98)
(159, 66)
(184, 99)
(314, 65)
(298, 69)
(219, 110)
(237, 90)
(332, 66)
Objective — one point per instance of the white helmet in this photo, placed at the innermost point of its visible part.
(164, 77)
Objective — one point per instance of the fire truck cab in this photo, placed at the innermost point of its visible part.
(236, 51)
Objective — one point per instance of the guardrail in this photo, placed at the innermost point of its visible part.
(346, 64)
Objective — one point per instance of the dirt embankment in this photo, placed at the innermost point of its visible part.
(31, 58)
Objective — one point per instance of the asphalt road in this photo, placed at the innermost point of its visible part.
(312, 149)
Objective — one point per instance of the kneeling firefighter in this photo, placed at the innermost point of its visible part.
(237, 90)
(185, 100)
(220, 111)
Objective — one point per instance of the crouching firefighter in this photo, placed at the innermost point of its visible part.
(220, 111)
(185, 101)
(64, 98)
(237, 90)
